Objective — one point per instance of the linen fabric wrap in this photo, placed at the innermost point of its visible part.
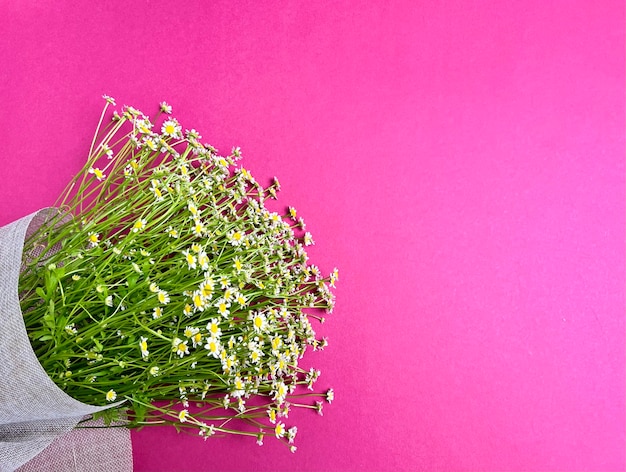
(33, 410)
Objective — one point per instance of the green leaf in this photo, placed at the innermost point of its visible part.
(99, 346)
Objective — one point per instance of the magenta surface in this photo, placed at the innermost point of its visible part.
(462, 163)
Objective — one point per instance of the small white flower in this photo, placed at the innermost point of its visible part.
(139, 225)
(143, 347)
(94, 239)
(98, 173)
(163, 297)
(111, 395)
(171, 128)
(165, 108)
(180, 347)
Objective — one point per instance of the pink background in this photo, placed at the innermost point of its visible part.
(461, 162)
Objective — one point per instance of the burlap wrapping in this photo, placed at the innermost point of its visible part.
(34, 412)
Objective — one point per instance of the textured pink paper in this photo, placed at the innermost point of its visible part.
(462, 163)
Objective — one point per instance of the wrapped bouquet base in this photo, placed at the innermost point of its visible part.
(33, 410)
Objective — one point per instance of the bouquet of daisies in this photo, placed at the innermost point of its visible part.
(161, 290)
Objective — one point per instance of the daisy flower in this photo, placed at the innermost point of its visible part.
(214, 347)
(190, 331)
(171, 128)
(199, 302)
(213, 328)
(293, 213)
(163, 297)
(187, 310)
(198, 228)
(203, 260)
(207, 287)
(111, 100)
(182, 416)
(165, 108)
(172, 233)
(143, 347)
(259, 322)
(157, 312)
(330, 395)
(308, 239)
(180, 347)
(190, 258)
(139, 225)
(94, 239)
(291, 434)
(98, 173)
(222, 307)
(279, 430)
(111, 395)
(154, 371)
(236, 237)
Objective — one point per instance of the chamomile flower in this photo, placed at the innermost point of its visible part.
(196, 339)
(330, 395)
(190, 258)
(207, 287)
(259, 321)
(213, 327)
(182, 416)
(110, 100)
(70, 329)
(238, 387)
(171, 128)
(157, 193)
(187, 310)
(154, 288)
(94, 239)
(163, 297)
(157, 312)
(97, 173)
(108, 301)
(203, 260)
(193, 209)
(165, 108)
(291, 434)
(237, 265)
(154, 371)
(241, 299)
(199, 301)
(172, 233)
(143, 347)
(280, 392)
(236, 237)
(198, 228)
(180, 347)
(222, 307)
(308, 239)
(334, 277)
(279, 430)
(139, 225)
(190, 331)
(111, 395)
(214, 347)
